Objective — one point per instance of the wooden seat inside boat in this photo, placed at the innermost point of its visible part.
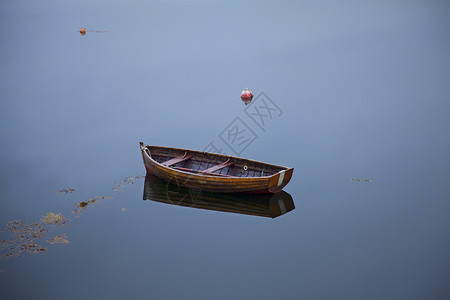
(219, 166)
(177, 159)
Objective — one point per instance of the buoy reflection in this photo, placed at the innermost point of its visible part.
(83, 31)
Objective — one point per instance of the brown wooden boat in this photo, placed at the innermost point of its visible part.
(214, 172)
(262, 205)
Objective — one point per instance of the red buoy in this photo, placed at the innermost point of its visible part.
(83, 31)
(246, 96)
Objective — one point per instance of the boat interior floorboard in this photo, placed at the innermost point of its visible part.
(213, 164)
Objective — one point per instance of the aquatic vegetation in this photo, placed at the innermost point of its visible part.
(52, 218)
(83, 204)
(79, 207)
(131, 179)
(26, 235)
(60, 239)
(23, 232)
(29, 248)
(66, 191)
(356, 179)
(126, 181)
(32, 248)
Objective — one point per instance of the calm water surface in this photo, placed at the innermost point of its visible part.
(362, 92)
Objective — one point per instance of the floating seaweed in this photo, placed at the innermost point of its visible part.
(126, 181)
(29, 248)
(356, 179)
(131, 179)
(32, 248)
(79, 207)
(22, 232)
(52, 218)
(60, 239)
(66, 191)
(83, 204)
(26, 235)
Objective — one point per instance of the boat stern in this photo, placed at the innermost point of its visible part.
(280, 180)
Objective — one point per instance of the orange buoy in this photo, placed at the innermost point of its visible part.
(83, 31)
(246, 96)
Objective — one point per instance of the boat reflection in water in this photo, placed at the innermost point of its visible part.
(263, 205)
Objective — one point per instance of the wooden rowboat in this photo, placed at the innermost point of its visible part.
(214, 172)
(262, 205)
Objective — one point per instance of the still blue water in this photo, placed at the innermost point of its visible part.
(363, 94)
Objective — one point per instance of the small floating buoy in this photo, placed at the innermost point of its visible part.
(246, 96)
(83, 31)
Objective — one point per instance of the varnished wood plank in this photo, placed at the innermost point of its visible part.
(218, 167)
(176, 160)
(200, 171)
